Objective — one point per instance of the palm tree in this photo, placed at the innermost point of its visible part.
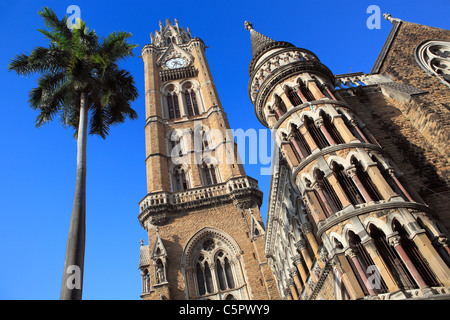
(79, 78)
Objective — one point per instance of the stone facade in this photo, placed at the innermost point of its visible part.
(358, 205)
(201, 211)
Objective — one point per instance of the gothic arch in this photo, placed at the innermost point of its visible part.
(210, 245)
(433, 56)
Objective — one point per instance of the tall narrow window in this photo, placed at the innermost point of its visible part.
(391, 259)
(172, 106)
(331, 128)
(191, 101)
(306, 92)
(315, 133)
(347, 184)
(209, 174)
(366, 181)
(293, 97)
(180, 181)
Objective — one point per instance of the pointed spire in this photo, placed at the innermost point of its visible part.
(258, 40)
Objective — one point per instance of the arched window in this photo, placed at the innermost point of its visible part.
(329, 192)
(180, 181)
(347, 184)
(300, 140)
(315, 133)
(280, 106)
(366, 263)
(306, 92)
(331, 127)
(293, 97)
(172, 106)
(392, 260)
(434, 57)
(366, 181)
(191, 101)
(420, 263)
(213, 268)
(209, 174)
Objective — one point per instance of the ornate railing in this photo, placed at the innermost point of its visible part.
(164, 202)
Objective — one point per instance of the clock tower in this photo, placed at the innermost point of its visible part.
(201, 211)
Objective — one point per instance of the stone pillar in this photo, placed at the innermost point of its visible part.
(355, 125)
(352, 174)
(309, 140)
(319, 189)
(427, 250)
(351, 254)
(314, 206)
(298, 260)
(300, 94)
(317, 93)
(286, 100)
(296, 146)
(381, 266)
(338, 189)
(289, 155)
(392, 173)
(294, 274)
(307, 230)
(383, 187)
(348, 277)
(301, 245)
(343, 130)
(395, 242)
(293, 289)
(319, 124)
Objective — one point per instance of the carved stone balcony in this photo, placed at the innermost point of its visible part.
(242, 191)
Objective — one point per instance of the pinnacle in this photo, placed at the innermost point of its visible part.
(258, 40)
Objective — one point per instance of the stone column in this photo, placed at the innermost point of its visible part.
(298, 260)
(355, 125)
(338, 189)
(296, 146)
(317, 93)
(289, 154)
(395, 242)
(286, 100)
(319, 124)
(427, 250)
(309, 140)
(348, 277)
(343, 130)
(300, 94)
(352, 174)
(292, 289)
(294, 274)
(392, 173)
(351, 254)
(319, 189)
(381, 266)
(301, 245)
(307, 230)
(314, 206)
(383, 187)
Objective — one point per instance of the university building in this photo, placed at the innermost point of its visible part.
(359, 197)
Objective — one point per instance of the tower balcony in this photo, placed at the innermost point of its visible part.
(242, 191)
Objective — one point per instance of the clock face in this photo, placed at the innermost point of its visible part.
(175, 63)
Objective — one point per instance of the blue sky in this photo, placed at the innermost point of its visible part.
(39, 165)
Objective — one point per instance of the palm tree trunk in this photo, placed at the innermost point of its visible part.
(72, 284)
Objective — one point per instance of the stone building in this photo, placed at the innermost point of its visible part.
(201, 211)
(359, 200)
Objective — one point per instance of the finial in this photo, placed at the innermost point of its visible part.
(141, 242)
(248, 25)
(160, 25)
(388, 17)
(176, 22)
(168, 23)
